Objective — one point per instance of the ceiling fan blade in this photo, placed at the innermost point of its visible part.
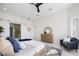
(37, 6)
(33, 3)
(38, 9)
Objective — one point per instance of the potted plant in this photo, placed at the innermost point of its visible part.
(1, 29)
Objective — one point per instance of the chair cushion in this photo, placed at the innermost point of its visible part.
(73, 39)
(66, 40)
(14, 43)
(6, 48)
(65, 44)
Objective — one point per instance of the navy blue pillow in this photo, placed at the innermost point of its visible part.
(14, 43)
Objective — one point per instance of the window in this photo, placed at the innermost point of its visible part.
(74, 27)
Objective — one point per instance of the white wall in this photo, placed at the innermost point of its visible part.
(72, 12)
(58, 22)
(8, 18)
(6, 28)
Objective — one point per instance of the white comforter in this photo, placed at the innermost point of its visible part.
(32, 47)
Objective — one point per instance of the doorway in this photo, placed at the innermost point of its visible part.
(15, 30)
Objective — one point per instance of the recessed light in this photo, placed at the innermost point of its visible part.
(50, 9)
(37, 14)
(0, 18)
(65, 4)
(28, 18)
(4, 8)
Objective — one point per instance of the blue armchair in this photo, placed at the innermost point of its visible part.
(73, 44)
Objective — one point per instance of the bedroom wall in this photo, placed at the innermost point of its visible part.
(6, 19)
(58, 22)
(72, 12)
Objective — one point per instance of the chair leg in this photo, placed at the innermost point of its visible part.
(68, 50)
(76, 50)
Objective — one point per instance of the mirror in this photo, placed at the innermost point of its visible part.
(47, 29)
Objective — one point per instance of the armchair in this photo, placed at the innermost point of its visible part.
(73, 44)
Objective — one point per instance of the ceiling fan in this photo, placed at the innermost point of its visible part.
(37, 6)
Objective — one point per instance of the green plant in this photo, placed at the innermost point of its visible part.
(1, 29)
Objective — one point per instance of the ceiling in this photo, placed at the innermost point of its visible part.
(29, 11)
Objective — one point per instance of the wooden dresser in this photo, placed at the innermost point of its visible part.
(47, 38)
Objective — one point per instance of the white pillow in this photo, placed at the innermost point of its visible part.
(66, 40)
(22, 45)
(6, 47)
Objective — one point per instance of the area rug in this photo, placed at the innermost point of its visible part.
(52, 51)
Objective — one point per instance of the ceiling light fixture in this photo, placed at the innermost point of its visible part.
(37, 6)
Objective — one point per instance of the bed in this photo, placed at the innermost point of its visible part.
(33, 48)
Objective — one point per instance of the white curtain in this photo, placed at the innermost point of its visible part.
(75, 27)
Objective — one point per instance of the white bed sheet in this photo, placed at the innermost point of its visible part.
(32, 47)
(37, 44)
(28, 51)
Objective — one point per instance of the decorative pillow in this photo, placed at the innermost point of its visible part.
(66, 40)
(6, 48)
(22, 45)
(14, 43)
